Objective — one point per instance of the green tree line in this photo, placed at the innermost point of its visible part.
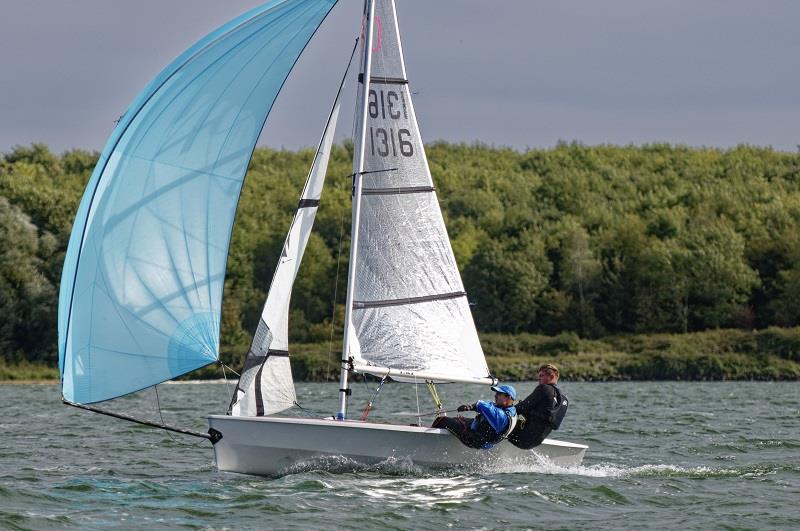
(589, 240)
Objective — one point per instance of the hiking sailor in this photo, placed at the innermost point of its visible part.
(494, 421)
(541, 412)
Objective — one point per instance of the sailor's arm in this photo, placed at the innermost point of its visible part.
(538, 403)
(496, 416)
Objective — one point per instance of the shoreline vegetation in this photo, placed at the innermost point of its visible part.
(649, 262)
(716, 355)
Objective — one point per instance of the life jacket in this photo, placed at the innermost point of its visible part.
(559, 409)
(512, 423)
(485, 429)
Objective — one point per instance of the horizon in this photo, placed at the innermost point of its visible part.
(475, 144)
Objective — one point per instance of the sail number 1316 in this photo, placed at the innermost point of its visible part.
(389, 141)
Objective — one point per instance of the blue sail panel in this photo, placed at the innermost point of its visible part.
(141, 288)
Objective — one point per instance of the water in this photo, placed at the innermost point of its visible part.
(668, 455)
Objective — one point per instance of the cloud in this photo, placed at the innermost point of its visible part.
(513, 72)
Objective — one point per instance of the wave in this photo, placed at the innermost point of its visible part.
(542, 465)
(534, 464)
(337, 464)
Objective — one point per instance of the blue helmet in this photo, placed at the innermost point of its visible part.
(507, 389)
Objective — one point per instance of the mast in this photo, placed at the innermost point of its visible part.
(369, 11)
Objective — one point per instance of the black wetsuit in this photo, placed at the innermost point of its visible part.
(460, 427)
(478, 432)
(536, 410)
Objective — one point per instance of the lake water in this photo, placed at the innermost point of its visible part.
(675, 455)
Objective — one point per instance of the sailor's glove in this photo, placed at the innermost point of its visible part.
(466, 407)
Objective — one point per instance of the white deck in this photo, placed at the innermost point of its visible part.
(273, 445)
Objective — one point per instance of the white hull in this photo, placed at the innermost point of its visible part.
(272, 446)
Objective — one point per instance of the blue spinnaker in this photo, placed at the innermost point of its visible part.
(141, 289)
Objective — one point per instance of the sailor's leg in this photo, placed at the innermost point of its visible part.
(454, 424)
(459, 427)
(529, 436)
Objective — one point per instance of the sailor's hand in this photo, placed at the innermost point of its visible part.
(465, 407)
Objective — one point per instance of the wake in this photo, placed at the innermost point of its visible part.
(543, 465)
(532, 464)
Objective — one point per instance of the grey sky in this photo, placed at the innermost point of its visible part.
(506, 72)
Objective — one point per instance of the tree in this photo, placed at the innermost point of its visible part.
(580, 275)
(785, 280)
(27, 298)
(505, 281)
(720, 281)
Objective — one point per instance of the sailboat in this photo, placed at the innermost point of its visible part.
(141, 289)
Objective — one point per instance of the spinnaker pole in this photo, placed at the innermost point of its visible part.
(358, 169)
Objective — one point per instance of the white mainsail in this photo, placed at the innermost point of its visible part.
(266, 385)
(410, 311)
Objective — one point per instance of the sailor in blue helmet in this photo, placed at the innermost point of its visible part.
(494, 421)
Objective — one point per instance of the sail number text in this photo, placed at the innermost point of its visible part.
(389, 141)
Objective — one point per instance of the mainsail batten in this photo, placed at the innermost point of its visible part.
(142, 282)
(360, 305)
(398, 190)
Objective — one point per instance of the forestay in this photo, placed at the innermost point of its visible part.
(410, 311)
(142, 283)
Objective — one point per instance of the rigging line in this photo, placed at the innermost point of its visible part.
(370, 172)
(416, 390)
(368, 409)
(225, 376)
(213, 435)
(228, 367)
(435, 395)
(330, 116)
(161, 416)
(365, 382)
(352, 176)
(341, 235)
(432, 413)
(335, 292)
(306, 411)
(339, 252)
